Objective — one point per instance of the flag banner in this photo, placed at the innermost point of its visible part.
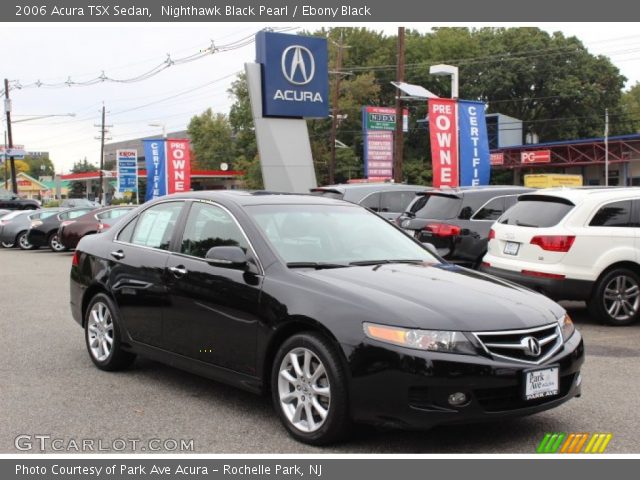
(178, 166)
(444, 141)
(475, 164)
(156, 162)
(127, 164)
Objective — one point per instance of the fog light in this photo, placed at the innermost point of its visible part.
(457, 399)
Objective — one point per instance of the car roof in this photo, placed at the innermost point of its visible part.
(246, 198)
(343, 187)
(462, 191)
(580, 194)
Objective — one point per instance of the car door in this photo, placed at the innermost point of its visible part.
(138, 259)
(214, 310)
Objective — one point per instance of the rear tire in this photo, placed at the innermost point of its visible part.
(102, 335)
(616, 298)
(23, 242)
(55, 244)
(7, 245)
(309, 389)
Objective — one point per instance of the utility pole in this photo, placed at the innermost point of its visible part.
(399, 137)
(102, 138)
(7, 109)
(6, 163)
(606, 147)
(334, 118)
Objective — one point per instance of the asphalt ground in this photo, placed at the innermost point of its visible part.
(50, 388)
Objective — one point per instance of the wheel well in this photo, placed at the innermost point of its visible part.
(634, 267)
(292, 328)
(88, 295)
(18, 235)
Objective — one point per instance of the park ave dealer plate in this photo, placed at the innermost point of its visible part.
(541, 383)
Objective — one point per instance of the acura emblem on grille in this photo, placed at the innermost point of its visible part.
(531, 346)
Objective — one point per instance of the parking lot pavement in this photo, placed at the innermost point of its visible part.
(48, 386)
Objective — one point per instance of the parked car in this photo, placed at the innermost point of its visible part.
(15, 226)
(79, 202)
(387, 199)
(71, 231)
(457, 221)
(10, 201)
(574, 244)
(331, 308)
(3, 212)
(44, 231)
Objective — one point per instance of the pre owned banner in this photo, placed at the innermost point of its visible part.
(178, 166)
(475, 165)
(156, 162)
(444, 141)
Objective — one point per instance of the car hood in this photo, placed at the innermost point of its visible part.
(439, 296)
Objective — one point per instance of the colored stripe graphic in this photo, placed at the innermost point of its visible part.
(558, 442)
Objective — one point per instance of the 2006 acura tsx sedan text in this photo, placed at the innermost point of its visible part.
(336, 312)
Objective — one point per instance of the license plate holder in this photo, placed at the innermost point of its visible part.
(511, 248)
(541, 382)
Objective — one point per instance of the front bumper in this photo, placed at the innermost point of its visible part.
(396, 387)
(557, 289)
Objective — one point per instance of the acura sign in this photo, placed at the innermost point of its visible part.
(295, 76)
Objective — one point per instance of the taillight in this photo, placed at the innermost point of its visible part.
(532, 273)
(492, 234)
(67, 222)
(75, 261)
(485, 264)
(103, 226)
(554, 243)
(443, 229)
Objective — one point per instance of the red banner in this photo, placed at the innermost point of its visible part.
(443, 130)
(536, 156)
(178, 166)
(497, 158)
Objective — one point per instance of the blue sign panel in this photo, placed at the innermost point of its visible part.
(295, 75)
(156, 162)
(127, 161)
(475, 166)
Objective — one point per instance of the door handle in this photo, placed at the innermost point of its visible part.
(118, 254)
(179, 271)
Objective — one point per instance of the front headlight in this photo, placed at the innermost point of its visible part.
(566, 327)
(431, 340)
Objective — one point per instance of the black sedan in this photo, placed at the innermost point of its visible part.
(327, 306)
(44, 231)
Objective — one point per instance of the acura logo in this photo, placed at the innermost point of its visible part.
(531, 346)
(298, 65)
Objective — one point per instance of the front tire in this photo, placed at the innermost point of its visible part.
(102, 335)
(616, 298)
(55, 244)
(309, 389)
(23, 242)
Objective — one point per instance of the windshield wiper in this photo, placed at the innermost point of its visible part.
(365, 263)
(316, 265)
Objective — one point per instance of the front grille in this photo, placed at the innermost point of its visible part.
(534, 345)
(511, 398)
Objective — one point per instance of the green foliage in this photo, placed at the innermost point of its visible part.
(630, 114)
(211, 139)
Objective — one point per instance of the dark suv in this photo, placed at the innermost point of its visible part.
(11, 201)
(457, 221)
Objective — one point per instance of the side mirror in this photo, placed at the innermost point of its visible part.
(432, 248)
(229, 257)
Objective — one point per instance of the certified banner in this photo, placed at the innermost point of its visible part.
(178, 166)
(127, 163)
(475, 164)
(156, 162)
(444, 141)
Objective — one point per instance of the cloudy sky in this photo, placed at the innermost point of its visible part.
(55, 53)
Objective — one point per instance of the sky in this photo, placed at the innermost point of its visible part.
(54, 53)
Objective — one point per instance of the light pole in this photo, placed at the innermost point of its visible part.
(451, 70)
(164, 128)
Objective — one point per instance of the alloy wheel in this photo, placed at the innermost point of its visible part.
(304, 390)
(621, 297)
(55, 243)
(24, 242)
(100, 331)
(7, 245)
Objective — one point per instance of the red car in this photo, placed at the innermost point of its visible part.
(96, 221)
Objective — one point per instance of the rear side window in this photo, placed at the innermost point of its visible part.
(396, 201)
(491, 211)
(616, 214)
(372, 202)
(439, 207)
(537, 212)
(156, 224)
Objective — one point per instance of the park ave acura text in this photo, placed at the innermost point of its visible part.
(336, 312)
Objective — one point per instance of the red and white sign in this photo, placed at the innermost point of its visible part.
(178, 166)
(497, 158)
(443, 130)
(536, 156)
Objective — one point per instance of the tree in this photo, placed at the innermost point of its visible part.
(211, 139)
(39, 166)
(630, 110)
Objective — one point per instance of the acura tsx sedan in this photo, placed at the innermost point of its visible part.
(336, 313)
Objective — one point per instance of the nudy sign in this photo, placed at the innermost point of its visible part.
(295, 75)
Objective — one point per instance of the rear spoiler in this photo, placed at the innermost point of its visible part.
(545, 198)
(328, 190)
(438, 194)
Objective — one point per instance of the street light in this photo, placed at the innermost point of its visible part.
(164, 128)
(40, 117)
(443, 69)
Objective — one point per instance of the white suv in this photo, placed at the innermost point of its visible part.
(573, 244)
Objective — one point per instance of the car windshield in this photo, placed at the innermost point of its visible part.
(334, 235)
